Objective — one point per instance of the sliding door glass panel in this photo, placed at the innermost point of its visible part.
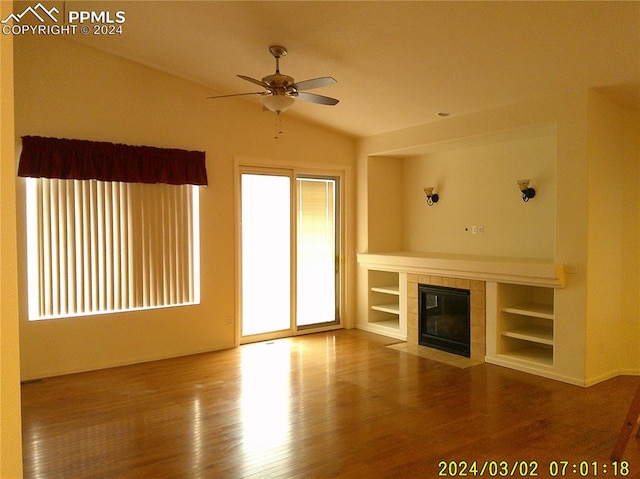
(316, 261)
(266, 253)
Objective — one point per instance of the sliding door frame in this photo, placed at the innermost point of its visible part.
(281, 333)
(337, 244)
(254, 166)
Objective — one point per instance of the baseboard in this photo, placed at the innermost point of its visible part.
(610, 375)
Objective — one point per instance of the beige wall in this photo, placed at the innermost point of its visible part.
(477, 185)
(67, 90)
(385, 185)
(10, 424)
(604, 279)
(630, 269)
(613, 239)
(468, 175)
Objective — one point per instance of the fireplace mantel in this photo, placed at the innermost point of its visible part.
(486, 268)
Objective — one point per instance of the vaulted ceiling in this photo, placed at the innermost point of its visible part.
(397, 63)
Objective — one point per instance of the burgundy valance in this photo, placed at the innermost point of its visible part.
(86, 160)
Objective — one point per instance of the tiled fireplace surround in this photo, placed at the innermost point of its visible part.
(478, 308)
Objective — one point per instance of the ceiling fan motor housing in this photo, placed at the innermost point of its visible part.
(279, 83)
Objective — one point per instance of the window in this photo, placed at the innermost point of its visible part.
(110, 227)
(99, 246)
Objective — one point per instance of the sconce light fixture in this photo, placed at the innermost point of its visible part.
(432, 197)
(527, 193)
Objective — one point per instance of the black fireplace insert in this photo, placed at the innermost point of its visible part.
(444, 318)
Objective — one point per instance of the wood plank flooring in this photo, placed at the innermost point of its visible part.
(326, 405)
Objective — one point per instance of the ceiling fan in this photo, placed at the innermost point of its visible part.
(281, 91)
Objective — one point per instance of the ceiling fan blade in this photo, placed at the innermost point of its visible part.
(253, 80)
(236, 94)
(314, 83)
(313, 98)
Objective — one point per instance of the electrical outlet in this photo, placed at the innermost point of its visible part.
(480, 229)
(474, 230)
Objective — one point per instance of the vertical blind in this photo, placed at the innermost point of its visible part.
(110, 246)
(111, 227)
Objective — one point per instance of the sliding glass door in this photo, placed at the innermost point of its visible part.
(317, 259)
(289, 253)
(266, 257)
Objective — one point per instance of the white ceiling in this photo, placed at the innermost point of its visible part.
(397, 63)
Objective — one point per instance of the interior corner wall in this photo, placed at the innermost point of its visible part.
(10, 415)
(605, 328)
(385, 204)
(361, 303)
(64, 89)
(630, 361)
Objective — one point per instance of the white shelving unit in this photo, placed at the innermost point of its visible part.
(385, 312)
(525, 325)
(394, 295)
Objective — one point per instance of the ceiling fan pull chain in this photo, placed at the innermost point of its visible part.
(278, 131)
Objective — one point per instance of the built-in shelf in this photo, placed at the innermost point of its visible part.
(387, 308)
(394, 290)
(391, 325)
(524, 326)
(532, 333)
(532, 356)
(385, 314)
(533, 310)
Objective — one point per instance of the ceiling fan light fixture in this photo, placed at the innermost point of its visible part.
(277, 103)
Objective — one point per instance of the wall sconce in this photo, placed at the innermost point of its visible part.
(527, 193)
(432, 197)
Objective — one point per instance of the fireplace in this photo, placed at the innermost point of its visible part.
(444, 319)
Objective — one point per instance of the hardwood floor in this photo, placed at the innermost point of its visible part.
(337, 404)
